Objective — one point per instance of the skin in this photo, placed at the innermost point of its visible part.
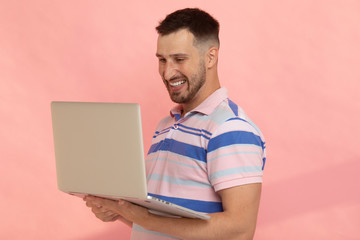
(196, 68)
(180, 60)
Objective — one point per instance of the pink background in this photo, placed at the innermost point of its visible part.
(292, 65)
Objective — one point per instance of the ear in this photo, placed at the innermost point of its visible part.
(211, 57)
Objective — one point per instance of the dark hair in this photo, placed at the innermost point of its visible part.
(203, 26)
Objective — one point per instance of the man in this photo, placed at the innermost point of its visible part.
(207, 155)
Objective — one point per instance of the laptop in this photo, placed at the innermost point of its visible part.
(99, 151)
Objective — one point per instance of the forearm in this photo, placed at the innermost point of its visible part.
(238, 220)
(220, 226)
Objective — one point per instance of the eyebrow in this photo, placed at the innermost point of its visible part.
(174, 55)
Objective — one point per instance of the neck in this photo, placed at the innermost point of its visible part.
(212, 84)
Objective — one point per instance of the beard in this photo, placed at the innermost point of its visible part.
(194, 84)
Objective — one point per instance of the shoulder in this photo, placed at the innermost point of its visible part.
(227, 113)
(234, 125)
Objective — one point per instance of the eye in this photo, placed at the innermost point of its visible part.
(180, 59)
(162, 60)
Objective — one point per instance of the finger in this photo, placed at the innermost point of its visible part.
(103, 211)
(89, 204)
(92, 201)
(92, 204)
(115, 218)
(110, 219)
(96, 201)
(107, 216)
(97, 210)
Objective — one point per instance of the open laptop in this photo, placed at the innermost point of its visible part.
(99, 151)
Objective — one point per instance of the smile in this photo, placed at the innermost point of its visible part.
(175, 84)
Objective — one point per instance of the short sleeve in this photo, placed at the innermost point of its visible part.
(235, 155)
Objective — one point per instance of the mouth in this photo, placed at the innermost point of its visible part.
(177, 83)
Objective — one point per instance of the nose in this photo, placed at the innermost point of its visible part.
(169, 71)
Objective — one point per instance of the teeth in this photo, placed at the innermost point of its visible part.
(177, 83)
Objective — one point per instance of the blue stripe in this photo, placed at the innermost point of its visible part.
(196, 205)
(202, 132)
(251, 124)
(264, 160)
(234, 107)
(232, 171)
(237, 118)
(192, 133)
(156, 135)
(234, 137)
(196, 129)
(177, 116)
(180, 148)
(165, 130)
(178, 181)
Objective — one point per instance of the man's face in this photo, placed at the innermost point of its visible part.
(180, 65)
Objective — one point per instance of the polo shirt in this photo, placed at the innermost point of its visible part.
(213, 147)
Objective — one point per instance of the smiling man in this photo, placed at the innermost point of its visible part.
(207, 155)
(183, 69)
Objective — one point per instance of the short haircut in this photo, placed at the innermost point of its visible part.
(203, 26)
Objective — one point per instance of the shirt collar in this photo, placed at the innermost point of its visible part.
(206, 107)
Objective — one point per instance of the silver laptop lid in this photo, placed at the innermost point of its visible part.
(88, 137)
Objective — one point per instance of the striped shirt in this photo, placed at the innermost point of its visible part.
(213, 147)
